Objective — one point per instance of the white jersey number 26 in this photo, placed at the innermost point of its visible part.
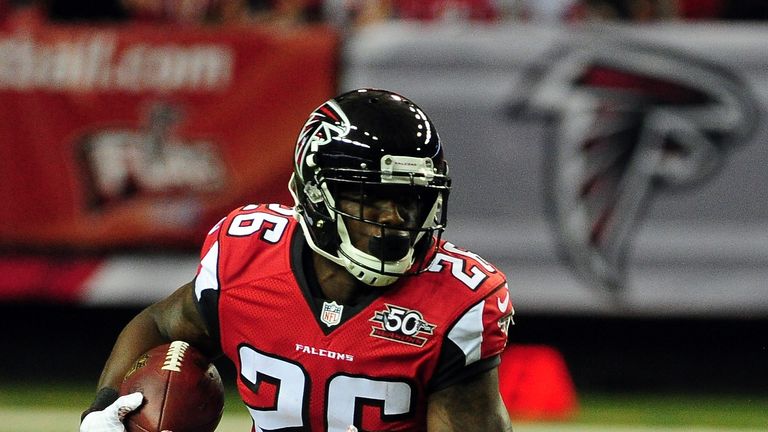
(344, 393)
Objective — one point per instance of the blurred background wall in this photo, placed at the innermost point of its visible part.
(609, 156)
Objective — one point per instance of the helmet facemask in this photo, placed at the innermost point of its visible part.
(343, 204)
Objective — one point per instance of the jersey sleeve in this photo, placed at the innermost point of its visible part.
(476, 339)
(207, 281)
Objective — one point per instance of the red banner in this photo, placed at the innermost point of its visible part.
(143, 136)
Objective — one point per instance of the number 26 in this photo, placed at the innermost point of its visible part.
(344, 394)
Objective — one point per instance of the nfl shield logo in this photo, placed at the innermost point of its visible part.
(331, 313)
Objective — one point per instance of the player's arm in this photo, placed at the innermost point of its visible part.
(473, 404)
(464, 390)
(173, 318)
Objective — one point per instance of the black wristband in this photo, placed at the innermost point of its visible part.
(104, 398)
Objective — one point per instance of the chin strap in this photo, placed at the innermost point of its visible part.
(366, 276)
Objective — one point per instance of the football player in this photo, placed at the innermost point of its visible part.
(347, 311)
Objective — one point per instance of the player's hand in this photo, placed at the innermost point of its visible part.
(110, 419)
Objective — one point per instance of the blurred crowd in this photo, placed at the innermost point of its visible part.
(364, 12)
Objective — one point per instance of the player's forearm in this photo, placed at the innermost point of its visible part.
(471, 405)
(138, 337)
(480, 420)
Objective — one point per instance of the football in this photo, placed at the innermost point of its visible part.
(182, 391)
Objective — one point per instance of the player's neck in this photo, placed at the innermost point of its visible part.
(336, 283)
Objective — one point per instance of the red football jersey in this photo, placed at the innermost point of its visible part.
(308, 364)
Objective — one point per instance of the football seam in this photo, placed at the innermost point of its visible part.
(166, 392)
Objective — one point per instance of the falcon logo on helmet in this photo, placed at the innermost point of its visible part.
(326, 122)
(362, 146)
(627, 121)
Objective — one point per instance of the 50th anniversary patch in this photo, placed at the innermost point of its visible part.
(401, 325)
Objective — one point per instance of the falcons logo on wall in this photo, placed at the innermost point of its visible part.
(626, 122)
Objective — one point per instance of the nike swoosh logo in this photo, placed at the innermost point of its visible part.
(503, 304)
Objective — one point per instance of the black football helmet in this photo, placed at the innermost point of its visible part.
(370, 144)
